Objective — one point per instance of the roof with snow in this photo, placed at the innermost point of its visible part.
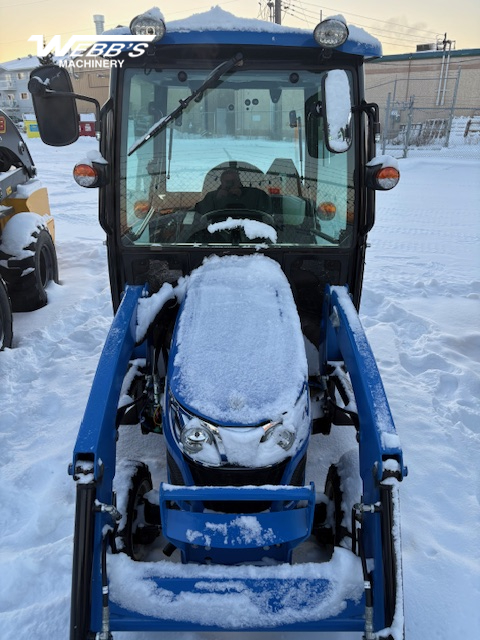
(430, 53)
(20, 64)
(219, 26)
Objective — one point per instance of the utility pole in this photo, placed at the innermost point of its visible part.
(278, 11)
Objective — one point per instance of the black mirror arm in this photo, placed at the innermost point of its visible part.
(94, 101)
(372, 111)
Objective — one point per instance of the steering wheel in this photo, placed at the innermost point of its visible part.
(220, 215)
(237, 214)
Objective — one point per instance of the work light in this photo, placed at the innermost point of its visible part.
(330, 33)
(148, 25)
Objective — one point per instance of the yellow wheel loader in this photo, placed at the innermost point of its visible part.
(28, 260)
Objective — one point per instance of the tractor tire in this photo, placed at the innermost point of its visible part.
(137, 532)
(6, 333)
(335, 513)
(28, 292)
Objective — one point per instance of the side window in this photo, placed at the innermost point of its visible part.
(335, 194)
(331, 176)
(136, 177)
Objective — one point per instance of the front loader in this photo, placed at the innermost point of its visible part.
(237, 466)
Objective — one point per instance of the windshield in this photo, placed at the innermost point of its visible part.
(243, 164)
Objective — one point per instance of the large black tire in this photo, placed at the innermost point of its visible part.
(6, 333)
(335, 513)
(136, 533)
(29, 292)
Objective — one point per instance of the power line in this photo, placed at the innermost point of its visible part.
(404, 36)
(403, 26)
(404, 39)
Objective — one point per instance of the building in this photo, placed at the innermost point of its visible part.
(420, 93)
(15, 98)
(424, 92)
(93, 83)
(16, 101)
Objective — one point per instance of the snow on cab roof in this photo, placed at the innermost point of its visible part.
(218, 20)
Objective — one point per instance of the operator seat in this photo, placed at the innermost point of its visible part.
(282, 178)
(250, 175)
(284, 185)
(245, 191)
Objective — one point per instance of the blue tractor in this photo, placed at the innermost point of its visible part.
(237, 467)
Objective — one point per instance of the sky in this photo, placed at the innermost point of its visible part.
(399, 26)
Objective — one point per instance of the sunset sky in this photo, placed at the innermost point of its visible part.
(400, 26)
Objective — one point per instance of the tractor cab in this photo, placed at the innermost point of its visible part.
(237, 141)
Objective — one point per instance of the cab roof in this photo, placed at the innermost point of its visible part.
(217, 26)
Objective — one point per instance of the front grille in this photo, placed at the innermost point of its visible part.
(236, 476)
(239, 476)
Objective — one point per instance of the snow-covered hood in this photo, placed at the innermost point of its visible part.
(238, 354)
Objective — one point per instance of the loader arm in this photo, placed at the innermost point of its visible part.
(381, 457)
(377, 516)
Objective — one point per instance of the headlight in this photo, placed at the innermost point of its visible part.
(281, 435)
(330, 33)
(195, 438)
(216, 446)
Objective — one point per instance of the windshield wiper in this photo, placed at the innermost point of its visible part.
(211, 80)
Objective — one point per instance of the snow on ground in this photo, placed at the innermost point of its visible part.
(421, 309)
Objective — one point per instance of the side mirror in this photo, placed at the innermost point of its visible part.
(337, 109)
(54, 104)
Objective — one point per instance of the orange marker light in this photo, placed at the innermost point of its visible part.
(85, 175)
(141, 208)
(388, 178)
(326, 211)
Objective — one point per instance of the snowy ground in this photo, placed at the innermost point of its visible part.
(421, 309)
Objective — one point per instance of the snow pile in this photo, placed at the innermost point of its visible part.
(132, 584)
(339, 109)
(217, 19)
(253, 228)
(148, 308)
(92, 156)
(25, 190)
(20, 231)
(243, 529)
(384, 161)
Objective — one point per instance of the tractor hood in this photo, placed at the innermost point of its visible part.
(238, 355)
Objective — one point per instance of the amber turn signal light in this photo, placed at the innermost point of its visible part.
(326, 210)
(85, 175)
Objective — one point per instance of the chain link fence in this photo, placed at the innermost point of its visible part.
(410, 129)
(430, 116)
